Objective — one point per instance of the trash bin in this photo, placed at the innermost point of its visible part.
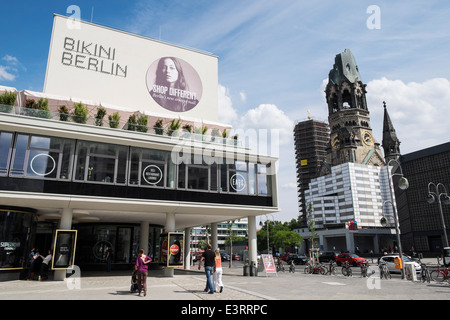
(246, 267)
(253, 269)
(410, 271)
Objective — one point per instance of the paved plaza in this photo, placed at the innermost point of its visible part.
(189, 286)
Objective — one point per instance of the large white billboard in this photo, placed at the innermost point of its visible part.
(107, 66)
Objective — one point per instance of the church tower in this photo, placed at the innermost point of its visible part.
(351, 138)
(391, 144)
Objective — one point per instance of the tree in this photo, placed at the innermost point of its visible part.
(285, 239)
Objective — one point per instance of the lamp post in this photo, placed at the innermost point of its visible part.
(403, 185)
(431, 199)
(261, 224)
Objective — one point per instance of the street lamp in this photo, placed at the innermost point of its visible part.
(261, 224)
(432, 198)
(403, 184)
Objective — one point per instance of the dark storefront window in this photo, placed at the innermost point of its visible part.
(100, 162)
(14, 233)
(42, 157)
(5, 151)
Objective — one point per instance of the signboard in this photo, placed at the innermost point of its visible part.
(172, 249)
(113, 67)
(64, 249)
(269, 264)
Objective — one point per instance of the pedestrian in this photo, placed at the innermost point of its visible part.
(108, 259)
(44, 266)
(31, 257)
(141, 268)
(210, 266)
(218, 273)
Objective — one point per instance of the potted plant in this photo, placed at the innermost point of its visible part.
(214, 134)
(132, 122)
(114, 120)
(43, 110)
(174, 126)
(80, 113)
(63, 113)
(187, 130)
(142, 123)
(7, 101)
(101, 112)
(159, 127)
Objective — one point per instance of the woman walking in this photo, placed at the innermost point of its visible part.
(142, 262)
(218, 274)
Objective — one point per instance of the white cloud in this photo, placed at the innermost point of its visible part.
(420, 112)
(5, 75)
(243, 96)
(227, 114)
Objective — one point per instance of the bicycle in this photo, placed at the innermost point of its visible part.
(320, 268)
(331, 268)
(384, 271)
(440, 275)
(346, 269)
(280, 266)
(364, 269)
(292, 266)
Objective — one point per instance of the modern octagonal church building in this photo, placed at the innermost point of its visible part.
(122, 150)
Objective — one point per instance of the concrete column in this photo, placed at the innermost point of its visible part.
(187, 249)
(169, 227)
(350, 241)
(65, 224)
(252, 241)
(214, 243)
(143, 241)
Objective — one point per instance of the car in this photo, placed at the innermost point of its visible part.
(352, 259)
(328, 256)
(298, 259)
(284, 256)
(390, 263)
(236, 257)
(225, 256)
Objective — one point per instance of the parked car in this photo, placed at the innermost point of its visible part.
(352, 259)
(298, 259)
(284, 256)
(236, 257)
(225, 256)
(389, 260)
(328, 256)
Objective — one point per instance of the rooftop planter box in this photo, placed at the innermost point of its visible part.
(7, 101)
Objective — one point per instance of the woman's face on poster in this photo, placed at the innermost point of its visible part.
(169, 71)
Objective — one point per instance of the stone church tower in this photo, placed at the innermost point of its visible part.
(391, 144)
(351, 138)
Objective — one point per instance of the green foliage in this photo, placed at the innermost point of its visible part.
(80, 113)
(63, 113)
(173, 127)
(114, 120)
(132, 122)
(158, 127)
(101, 112)
(8, 98)
(142, 122)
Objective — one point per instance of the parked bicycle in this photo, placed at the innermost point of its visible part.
(364, 269)
(291, 266)
(346, 269)
(280, 265)
(331, 268)
(317, 268)
(440, 274)
(384, 271)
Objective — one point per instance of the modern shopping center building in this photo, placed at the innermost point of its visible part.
(122, 184)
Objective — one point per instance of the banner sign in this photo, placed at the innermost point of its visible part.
(64, 249)
(172, 249)
(269, 264)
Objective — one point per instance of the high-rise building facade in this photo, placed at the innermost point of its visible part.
(311, 138)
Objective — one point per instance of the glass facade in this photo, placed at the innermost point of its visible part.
(15, 229)
(54, 158)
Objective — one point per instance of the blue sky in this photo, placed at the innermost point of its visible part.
(274, 59)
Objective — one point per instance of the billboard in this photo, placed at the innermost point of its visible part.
(112, 67)
(172, 249)
(64, 249)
